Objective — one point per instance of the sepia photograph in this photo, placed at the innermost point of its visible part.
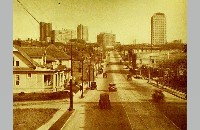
(99, 64)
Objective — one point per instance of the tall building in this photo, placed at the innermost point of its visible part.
(82, 32)
(45, 31)
(158, 29)
(63, 35)
(106, 39)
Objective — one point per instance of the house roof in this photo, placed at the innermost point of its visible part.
(34, 52)
(61, 67)
(22, 69)
(50, 58)
(53, 51)
(18, 49)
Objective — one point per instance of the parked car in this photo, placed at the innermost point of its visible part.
(93, 85)
(105, 75)
(100, 70)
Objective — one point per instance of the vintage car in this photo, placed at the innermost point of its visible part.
(129, 77)
(100, 71)
(112, 87)
(93, 85)
(158, 95)
(105, 75)
(104, 102)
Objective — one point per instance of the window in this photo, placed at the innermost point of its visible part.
(152, 61)
(29, 75)
(17, 80)
(17, 63)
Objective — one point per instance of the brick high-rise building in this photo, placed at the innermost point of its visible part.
(158, 29)
(45, 31)
(82, 32)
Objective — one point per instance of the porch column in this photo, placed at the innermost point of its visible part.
(63, 78)
(54, 81)
(58, 78)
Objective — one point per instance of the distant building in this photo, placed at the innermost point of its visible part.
(45, 31)
(82, 32)
(106, 39)
(63, 35)
(158, 29)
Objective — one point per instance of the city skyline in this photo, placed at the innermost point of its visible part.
(129, 19)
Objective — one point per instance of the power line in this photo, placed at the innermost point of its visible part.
(27, 11)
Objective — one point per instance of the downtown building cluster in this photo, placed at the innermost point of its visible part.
(47, 34)
(64, 35)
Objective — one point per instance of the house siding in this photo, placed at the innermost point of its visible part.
(39, 60)
(18, 57)
(35, 83)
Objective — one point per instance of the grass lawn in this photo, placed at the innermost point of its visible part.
(31, 119)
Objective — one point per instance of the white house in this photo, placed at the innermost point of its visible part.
(36, 70)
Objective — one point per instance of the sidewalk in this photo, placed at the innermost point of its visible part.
(62, 115)
(165, 88)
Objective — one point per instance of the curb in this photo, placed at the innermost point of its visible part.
(58, 125)
(53, 120)
(71, 116)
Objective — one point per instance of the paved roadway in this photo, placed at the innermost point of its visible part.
(132, 108)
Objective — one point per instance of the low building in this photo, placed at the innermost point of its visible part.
(106, 39)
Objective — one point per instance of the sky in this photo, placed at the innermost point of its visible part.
(129, 19)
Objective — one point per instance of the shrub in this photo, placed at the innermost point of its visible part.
(40, 96)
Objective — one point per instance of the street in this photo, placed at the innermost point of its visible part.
(131, 106)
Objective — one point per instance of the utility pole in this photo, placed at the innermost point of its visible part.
(93, 73)
(149, 69)
(71, 84)
(89, 70)
(82, 76)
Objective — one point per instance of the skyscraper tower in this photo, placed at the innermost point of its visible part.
(82, 32)
(45, 31)
(158, 29)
